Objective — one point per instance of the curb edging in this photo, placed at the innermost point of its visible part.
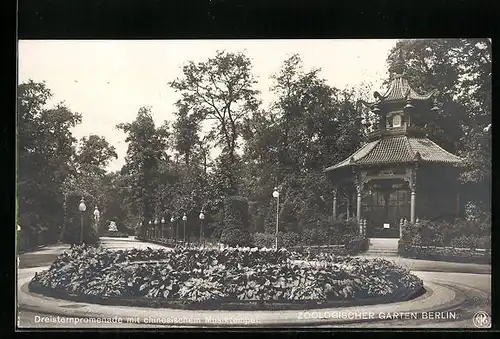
(38, 290)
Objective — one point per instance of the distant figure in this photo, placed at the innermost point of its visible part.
(112, 227)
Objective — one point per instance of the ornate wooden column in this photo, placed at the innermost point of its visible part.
(361, 180)
(413, 192)
(412, 204)
(413, 187)
(334, 207)
(348, 205)
(359, 189)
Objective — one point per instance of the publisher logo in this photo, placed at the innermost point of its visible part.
(482, 320)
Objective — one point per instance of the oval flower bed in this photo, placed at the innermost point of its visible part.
(201, 277)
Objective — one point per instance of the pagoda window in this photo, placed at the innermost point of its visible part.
(396, 121)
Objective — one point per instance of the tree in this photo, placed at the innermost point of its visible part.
(46, 149)
(95, 153)
(191, 188)
(186, 130)
(309, 127)
(221, 90)
(146, 148)
(89, 177)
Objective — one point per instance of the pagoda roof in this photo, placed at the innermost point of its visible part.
(401, 149)
(399, 90)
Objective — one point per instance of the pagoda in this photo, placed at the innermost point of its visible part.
(399, 174)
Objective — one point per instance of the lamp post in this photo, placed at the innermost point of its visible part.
(184, 218)
(156, 228)
(162, 226)
(172, 219)
(82, 208)
(149, 229)
(201, 216)
(276, 195)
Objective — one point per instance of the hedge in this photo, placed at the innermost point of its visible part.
(458, 254)
(337, 236)
(459, 233)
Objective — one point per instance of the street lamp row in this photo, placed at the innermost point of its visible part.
(184, 219)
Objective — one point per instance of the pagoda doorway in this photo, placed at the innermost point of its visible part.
(384, 205)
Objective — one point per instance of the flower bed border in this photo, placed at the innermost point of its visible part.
(440, 253)
(333, 249)
(240, 305)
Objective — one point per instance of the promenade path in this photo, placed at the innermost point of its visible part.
(456, 292)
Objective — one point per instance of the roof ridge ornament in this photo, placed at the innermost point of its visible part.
(408, 102)
(417, 156)
(434, 106)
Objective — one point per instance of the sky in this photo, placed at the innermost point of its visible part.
(107, 81)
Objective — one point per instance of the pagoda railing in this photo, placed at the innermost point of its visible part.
(395, 131)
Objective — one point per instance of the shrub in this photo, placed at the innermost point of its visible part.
(328, 231)
(262, 240)
(357, 244)
(236, 222)
(403, 247)
(472, 242)
(430, 233)
(285, 239)
(474, 213)
(308, 237)
(288, 239)
(463, 252)
(345, 227)
(320, 236)
(460, 232)
(235, 237)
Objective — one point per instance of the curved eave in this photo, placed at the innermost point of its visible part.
(399, 90)
(382, 163)
(369, 105)
(398, 150)
(362, 152)
(422, 97)
(419, 145)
